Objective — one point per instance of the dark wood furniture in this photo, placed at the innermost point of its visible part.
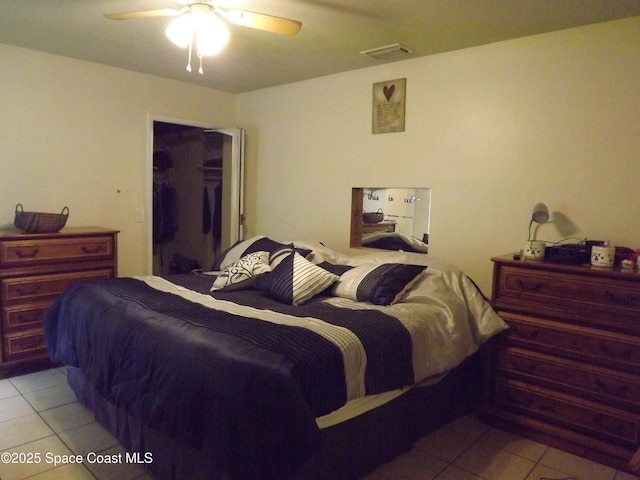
(34, 269)
(567, 371)
(388, 227)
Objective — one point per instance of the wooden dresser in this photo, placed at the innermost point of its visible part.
(379, 227)
(567, 372)
(34, 269)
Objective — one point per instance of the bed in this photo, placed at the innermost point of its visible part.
(394, 241)
(289, 361)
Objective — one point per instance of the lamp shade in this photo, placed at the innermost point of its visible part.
(540, 213)
(180, 30)
(212, 34)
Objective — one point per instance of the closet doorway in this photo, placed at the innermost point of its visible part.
(196, 193)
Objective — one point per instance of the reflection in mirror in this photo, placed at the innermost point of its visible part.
(391, 218)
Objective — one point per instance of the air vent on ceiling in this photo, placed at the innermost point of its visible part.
(390, 51)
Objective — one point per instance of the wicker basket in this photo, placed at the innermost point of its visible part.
(35, 222)
(373, 217)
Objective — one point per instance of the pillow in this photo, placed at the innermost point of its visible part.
(244, 247)
(295, 280)
(380, 284)
(280, 254)
(333, 268)
(318, 253)
(241, 273)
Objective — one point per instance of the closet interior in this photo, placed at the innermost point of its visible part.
(188, 184)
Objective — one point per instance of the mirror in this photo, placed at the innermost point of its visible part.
(391, 218)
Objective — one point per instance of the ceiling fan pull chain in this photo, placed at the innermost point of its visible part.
(190, 47)
(200, 71)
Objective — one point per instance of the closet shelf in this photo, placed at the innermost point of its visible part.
(211, 174)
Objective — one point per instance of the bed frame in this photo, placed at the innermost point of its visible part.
(350, 449)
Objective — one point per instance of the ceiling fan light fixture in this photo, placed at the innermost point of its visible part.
(211, 33)
(180, 30)
(199, 27)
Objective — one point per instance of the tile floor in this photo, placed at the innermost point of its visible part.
(39, 414)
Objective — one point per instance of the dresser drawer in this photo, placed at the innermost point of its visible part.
(54, 250)
(599, 420)
(21, 317)
(580, 295)
(586, 381)
(25, 289)
(597, 347)
(25, 344)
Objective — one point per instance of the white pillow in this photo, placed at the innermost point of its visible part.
(242, 272)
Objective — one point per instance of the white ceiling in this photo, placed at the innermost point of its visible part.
(333, 33)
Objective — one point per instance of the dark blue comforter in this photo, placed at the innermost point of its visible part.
(245, 390)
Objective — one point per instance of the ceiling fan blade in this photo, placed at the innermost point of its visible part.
(163, 12)
(260, 21)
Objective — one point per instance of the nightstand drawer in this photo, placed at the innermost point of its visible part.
(21, 317)
(521, 287)
(25, 344)
(587, 381)
(616, 425)
(43, 286)
(50, 250)
(611, 349)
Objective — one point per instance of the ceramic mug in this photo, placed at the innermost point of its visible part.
(534, 249)
(602, 256)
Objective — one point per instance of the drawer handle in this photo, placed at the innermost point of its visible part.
(24, 318)
(25, 292)
(33, 343)
(616, 426)
(613, 298)
(89, 251)
(523, 401)
(535, 287)
(624, 354)
(620, 390)
(525, 334)
(523, 366)
(31, 254)
(547, 408)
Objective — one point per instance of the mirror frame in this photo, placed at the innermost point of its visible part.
(357, 202)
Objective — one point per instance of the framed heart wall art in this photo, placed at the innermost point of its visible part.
(388, 106)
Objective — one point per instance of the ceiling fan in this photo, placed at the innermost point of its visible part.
(205, 21)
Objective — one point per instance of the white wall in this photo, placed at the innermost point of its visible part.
(493, 130)
(75, 134)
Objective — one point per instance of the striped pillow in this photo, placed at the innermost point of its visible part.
(380, 284)
(295, 280)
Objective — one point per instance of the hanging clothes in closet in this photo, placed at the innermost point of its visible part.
(212, 207)
(206, 212)
(217, 217)
(165, 207)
